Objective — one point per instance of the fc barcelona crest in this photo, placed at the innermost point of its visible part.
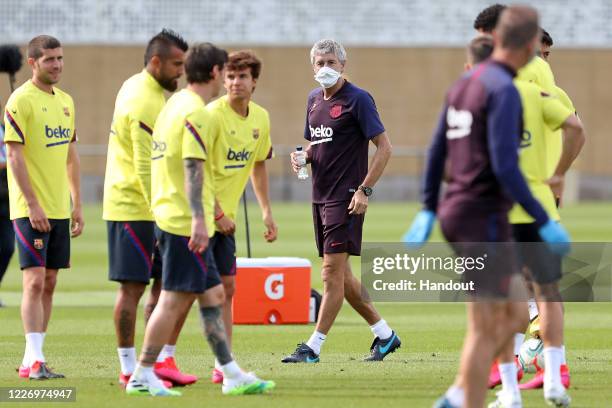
(255, 134)
(38, 243)
(66, 111)
(335, 111)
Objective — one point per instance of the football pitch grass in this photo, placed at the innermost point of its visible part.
(81, 342)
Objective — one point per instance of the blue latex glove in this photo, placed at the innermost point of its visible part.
(420, 229)
(556, 237)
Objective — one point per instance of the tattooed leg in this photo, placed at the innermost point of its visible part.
(215, 333)
(162, 322)
(125, 312)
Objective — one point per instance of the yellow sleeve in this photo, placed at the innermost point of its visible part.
(554, 112)
(16, 117)
(195, 133)
(265, 150)
(141, 134)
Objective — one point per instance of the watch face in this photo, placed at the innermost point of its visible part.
(366, 190)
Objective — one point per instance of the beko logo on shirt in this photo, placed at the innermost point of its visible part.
(459, 123)
(321, 131)
(238, 156)
(58, 132)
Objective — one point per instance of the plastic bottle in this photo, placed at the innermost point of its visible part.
(301, 159)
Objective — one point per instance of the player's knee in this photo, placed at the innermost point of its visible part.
(131, 291)
(34, 286)
(229, 288)
(50, 282)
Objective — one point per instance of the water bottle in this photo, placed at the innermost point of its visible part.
(301, 159)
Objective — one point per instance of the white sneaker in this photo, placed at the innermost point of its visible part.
(507, 400)
(557, 397)
(246, 384)
(141, 387)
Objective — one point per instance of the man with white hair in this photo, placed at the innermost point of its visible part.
(341, 120)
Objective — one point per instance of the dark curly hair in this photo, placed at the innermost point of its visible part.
(486, 20)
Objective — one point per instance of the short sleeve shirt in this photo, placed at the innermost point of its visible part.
(339, 130)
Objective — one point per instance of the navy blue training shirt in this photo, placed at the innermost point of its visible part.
(339, 130)
(479, 133)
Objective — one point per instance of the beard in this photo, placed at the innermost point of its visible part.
(169, 84)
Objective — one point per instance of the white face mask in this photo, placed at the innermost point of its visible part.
(327, 77)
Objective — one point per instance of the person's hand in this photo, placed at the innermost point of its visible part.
(199, 236)
(225, 225)
(359, 203)
(271, 232)
(556, 237)
(557, 183)
(38, 218)
(295, 160)
(419, 231)
(78, 223)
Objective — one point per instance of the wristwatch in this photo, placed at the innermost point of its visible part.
(366, 190)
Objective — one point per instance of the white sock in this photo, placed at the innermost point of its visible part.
(34, 342)
(168, 351)
(231, 370)
(455, 396)
(315, 342)
(127, 359)
(563, 360)
(519, 338)
(552, 362)
(146, 375)
(26, 354)
(381, 329)
(507, 372)
(533, 309)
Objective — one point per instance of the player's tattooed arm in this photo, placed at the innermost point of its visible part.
(194, 183)
(215, 333)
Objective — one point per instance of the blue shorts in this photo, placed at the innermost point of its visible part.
(183, 270)
(224, 251)
(130, 249)
(49, 250)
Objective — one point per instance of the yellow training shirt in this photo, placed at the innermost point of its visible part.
(565, 99)
(239, 143)
(183, 131)
(127, 184)
(44, 124)
(542, 113)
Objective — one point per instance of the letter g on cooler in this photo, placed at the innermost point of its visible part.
(274, 287)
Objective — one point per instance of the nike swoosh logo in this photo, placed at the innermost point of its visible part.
(386, 348)
(335, 244)
(311, 360)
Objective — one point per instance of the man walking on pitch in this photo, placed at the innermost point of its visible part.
(127, 195)
(540, 111)
(43, 176)
(557, 161)
(341, 120)
(482, 152)
(183, 205)
(241, 147)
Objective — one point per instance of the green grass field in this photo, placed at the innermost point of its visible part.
(81, 340)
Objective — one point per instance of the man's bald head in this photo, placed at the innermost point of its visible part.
(518, 27)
